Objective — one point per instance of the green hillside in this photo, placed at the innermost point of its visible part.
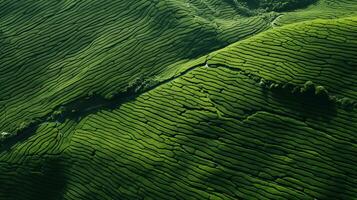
(178, 99)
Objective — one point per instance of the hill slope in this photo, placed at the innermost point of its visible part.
(140, 104)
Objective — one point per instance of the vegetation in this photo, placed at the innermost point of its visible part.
(172, 99)
(284, 5)
(248, 7)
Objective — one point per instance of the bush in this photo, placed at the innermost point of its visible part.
(309, 87)
(109, 96)
(245, 7)
(346, 103)
(274, 86)
(288, 86)
(4, 135)
(284, 5)
(321, 91)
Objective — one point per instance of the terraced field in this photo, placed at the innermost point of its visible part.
(178, 99)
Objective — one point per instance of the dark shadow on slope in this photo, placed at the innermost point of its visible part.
(341, 187)
(337, 190)
(254, 7)
(305, 105)
(235, 160)
(44, 181)
(284, 5)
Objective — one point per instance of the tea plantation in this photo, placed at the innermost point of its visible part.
(178, 99)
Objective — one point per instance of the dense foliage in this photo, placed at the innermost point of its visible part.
(274, 5)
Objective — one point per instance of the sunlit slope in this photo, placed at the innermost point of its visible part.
(322, 51)
(323, 9)
(229, 127)
(53, 52)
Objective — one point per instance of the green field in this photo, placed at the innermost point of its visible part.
(178, 99)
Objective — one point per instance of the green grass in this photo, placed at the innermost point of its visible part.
(178, 100)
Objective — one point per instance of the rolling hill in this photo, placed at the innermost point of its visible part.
(174, 99)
